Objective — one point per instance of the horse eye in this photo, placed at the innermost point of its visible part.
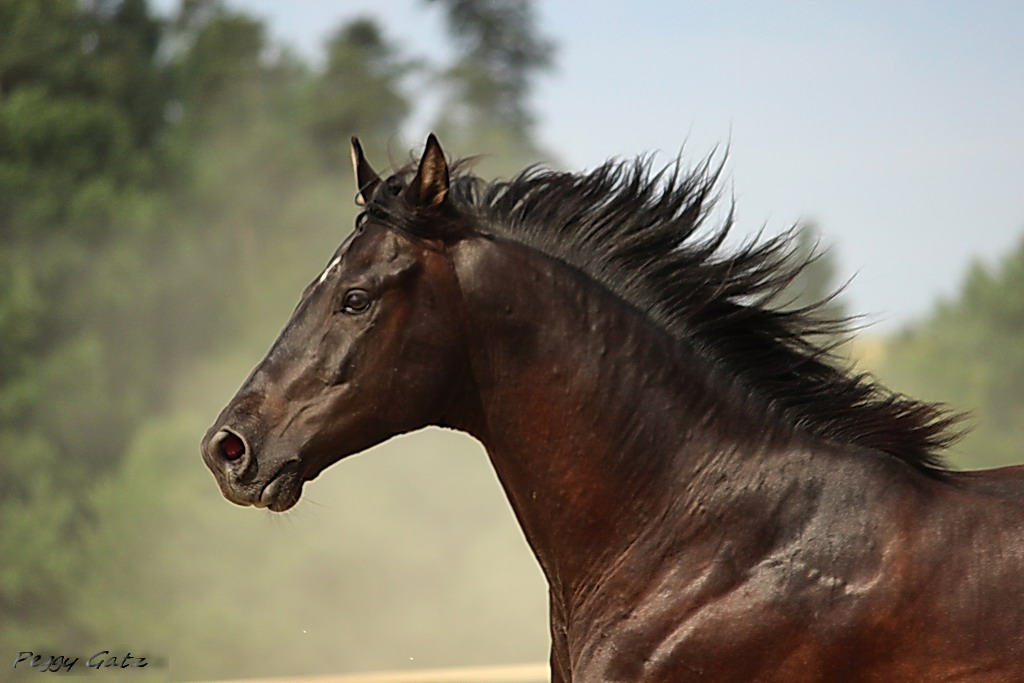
(355, 301)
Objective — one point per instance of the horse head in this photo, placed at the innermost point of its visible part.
(371, 350)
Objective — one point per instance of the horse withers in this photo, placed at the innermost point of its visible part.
(710, 495)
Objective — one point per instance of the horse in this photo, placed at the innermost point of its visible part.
(711, 494)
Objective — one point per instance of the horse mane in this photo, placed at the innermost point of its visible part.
(642, 234)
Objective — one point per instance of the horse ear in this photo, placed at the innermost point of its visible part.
(366, 178)
(430, 186)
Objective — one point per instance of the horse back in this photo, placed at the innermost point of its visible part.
(1002, 482)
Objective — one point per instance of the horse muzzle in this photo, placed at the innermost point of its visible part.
(244, 478)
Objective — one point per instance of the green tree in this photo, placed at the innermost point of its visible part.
(968, 353)
(500, 53)
(218, 69)
(359, 93)
(122, 258)
(81, 112)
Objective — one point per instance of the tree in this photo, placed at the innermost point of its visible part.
(500, 55)
(217, 67)
(968, 353)
(81, 114)
(117, 268)
(358, 93)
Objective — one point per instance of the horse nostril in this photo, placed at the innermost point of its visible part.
(230, 445)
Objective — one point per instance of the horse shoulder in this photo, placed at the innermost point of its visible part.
(850, 586)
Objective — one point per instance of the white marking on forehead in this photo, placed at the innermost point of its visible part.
(327, 271)
(337, 259)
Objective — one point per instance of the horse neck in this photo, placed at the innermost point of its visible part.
(597, 422)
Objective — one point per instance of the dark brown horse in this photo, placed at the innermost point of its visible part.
(709, 494)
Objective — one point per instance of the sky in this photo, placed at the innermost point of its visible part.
(897, 127)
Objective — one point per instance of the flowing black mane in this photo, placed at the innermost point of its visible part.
(641, 233)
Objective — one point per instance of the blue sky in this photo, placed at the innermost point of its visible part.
(897, 126)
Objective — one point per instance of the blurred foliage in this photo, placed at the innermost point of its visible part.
(486, 109)
(358, 91)
(969, 353)
(80, 217)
